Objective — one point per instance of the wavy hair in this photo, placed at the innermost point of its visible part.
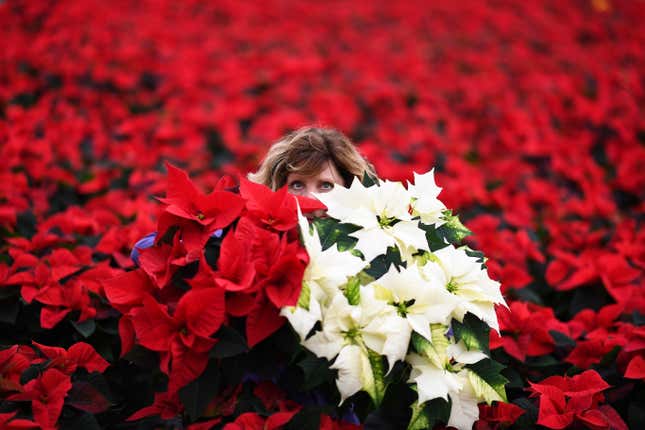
(305, 151)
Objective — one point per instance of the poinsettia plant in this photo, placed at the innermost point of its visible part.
(386, 287)
(531, 113)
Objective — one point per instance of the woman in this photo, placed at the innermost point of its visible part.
(309, 160)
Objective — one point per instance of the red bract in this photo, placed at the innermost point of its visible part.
(183, 338)
(253, 421)
(235, 267)
(80, 354)
(46, 394)
(275, 210)
(525, 330)
(198, 214)
(636, 368)
(160, 262)
(9, 422)
(499, 415)
(128, 289)
(166, 405)
(13, 361)
(564, 400)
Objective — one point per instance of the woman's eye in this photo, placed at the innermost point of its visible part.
(326, 186)
(296, 185)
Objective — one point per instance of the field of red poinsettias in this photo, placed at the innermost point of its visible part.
(532, 113)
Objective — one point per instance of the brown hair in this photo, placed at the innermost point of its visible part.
(305, 151)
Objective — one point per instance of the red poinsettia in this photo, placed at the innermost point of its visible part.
(525, 330)
(47, 394)
(67, 361)
(564, 400)
(161, 261)
(197, 214)
(183, 338)
(497, 416)
(13, 361)
(275, 210)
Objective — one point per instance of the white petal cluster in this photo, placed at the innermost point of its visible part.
(407, 313)
(425, 203)
(463, 277)
(384, 214)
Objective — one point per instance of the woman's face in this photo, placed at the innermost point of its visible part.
(321, 182)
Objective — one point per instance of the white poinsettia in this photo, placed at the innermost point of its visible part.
(411, 305)
(421, 302)
(432, 381)
(464, 410)
(319, 283)
(370, 324)
(354, 371)
(304, 317)
(329, 268)
(425, 203)
(383, 212)
(459, 353)
(463, 276)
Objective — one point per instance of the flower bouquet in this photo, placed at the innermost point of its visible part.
(392, 303)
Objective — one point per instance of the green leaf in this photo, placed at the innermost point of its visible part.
(419, 419)
(377, 391)
(481, 258)
(474, 332)
(305, 296)
(562, 340)
(438, 411)
(10, 291)
(453, 229)
(306, 419)
(380, 265)
(364, 278)
(435, 351)
(315, 370)
(487, 380)
(231, 343)
(85, 328)
(610, 357)
(196, 395)
(542, 361)
(85, 421)
(368, 180)
(331, 231)
(9, 311)
(352, 290)
(434, 237)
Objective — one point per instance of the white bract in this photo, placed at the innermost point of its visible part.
(318, 271)
(425, 203)
(463, 276)
(421, 302)
(383, 212)
(463, 411)
(371, 324)
(432, 381)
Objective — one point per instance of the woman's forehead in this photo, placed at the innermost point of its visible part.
(326, 171)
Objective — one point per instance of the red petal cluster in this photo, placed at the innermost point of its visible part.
(48, 390)
(564, 400)
(258, 271)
